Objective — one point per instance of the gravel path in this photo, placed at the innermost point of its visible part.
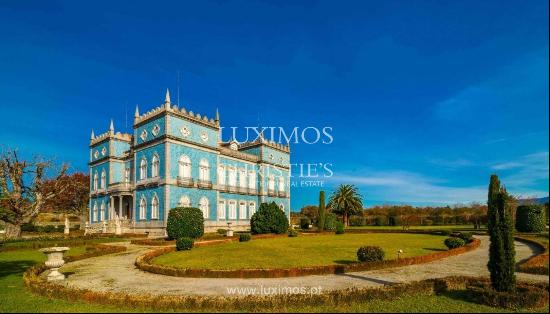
(117, 273)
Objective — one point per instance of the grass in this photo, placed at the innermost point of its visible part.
(433, 227)
(301, 251)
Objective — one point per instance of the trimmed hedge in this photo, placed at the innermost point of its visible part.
(530, 218)
(330, 221)
(370, 254)
(525, 296)
(269, 219)
(340, 227)
(244, 237)
(185, 222)
(184, 244)
(453, 243)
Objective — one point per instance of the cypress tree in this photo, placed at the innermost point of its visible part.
(501, 250)
(322, 212)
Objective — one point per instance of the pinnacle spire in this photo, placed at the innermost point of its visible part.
(217, 115)
(112, 126)
(136, 114)
(167, 97)
(93, 135)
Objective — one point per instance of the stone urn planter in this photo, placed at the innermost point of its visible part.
(55, 261)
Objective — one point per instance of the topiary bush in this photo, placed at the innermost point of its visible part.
(530, 218)
(357, 221)
(269, 219)
(184, 243)
(370, 254)
(185, 222)
(453, 243)
(244, 237)
(330, 221)
(466, 236)
(222, 231)
(304, 223)
(340, 227)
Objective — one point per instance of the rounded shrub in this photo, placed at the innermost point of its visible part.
(304, 223)
(466, 236)
(530, 218)
(453, 243)
(370, 254)
(330, 221)
(269, 219)
(339, 227)
(185, 222)
(244, 237)
(222, 231)
(184, 243)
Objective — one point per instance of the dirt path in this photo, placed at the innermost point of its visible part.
(117, 273)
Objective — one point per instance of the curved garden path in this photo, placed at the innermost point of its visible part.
(117, 273)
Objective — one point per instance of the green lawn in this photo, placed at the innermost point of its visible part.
(445, 227)
(305, 250)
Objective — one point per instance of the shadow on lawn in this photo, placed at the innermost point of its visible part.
(345, 261)
(374, 280)
(433, 249)
(14, 267)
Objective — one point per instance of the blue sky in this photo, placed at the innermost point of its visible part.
(425, 98)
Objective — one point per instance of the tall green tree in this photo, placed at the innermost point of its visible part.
(322, 212)
(346, 201)
(501, 231)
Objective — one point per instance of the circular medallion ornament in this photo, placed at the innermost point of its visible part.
(143, 135)
(185, 131)
(156, 130)
(103, 151)
(204, 136)
(96, 154)
(271, 156)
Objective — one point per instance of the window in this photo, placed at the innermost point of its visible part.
(103, 177)
(232, 176)
(155, 167)
(95, 181)
(281, 184)
(242, 210)
(251, 208)
(94, 212)
(252, 180)
(242, 178)
(204, 170)
(184, 167)
(102, 212)
(127, 175)
(232, 210)
(184, 202)
(155, 207)
(143, 169)
(221, 175)
(271, 183)
(221, 210)
(142, 208)
(203, 205)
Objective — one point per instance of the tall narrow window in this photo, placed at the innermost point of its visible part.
(102, 212)
(184, 202)
(221, 175)
(103, 178)
(94, 213)
(203, 204)
(184, 167)
(232, 210)
(155, 207)
(204, 170)
(232, 176)
(155, 167)
(281, 184)
(251, 209)
(242, 210)
(221, 209)
(252, 179)
(142, 208)
(242, 178)
(95, 181)
(127, 175)
(143, 169)
(271, 183)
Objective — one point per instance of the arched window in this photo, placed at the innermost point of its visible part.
(232, 176)
(184, 167)
(251, 208)
(242, 178)
(271, 183)
(155, 166)
(142, 208)
(95, 181)
(184, 202)
(203, 205)
(252, 179)
(103, 177)
(155, 207)
(221, 175)
(143, 169)
(94, 212)
(102, 212)
(204, 170)
(242, 210)
(232, 210)
(281, 184)
(221, 209)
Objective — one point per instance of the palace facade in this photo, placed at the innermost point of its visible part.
(177, 158)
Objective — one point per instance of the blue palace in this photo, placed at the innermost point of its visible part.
(177, 158)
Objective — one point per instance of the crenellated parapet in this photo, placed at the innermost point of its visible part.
(262, 141)
(110, 135)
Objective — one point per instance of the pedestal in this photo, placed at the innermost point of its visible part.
(229, 230)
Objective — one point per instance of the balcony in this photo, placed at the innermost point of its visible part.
(204, 184)
(120, 187)
(98, 191)
(282, 194)
(148, 182)
(185, 181)
(271, 193)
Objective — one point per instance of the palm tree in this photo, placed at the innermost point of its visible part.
(346, 201)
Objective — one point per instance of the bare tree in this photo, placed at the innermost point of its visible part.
(22, 186)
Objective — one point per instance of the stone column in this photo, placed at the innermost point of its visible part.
(120, 206)
(111, 207)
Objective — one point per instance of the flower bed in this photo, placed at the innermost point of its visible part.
(143, 262)
(537, 264)
(42, 242)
